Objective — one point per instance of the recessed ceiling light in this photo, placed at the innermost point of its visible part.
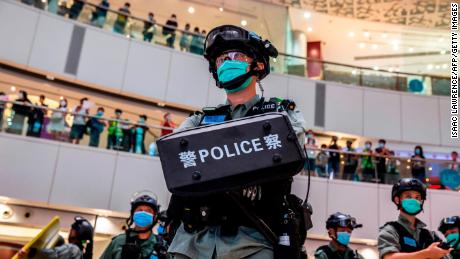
(191, 9)
(376, 68)
(366, 34)
(13, 88)
(244, 22)
(443, 52)
(444, 66)
(437, 67)
(309, 29)
(307, 15)
(411, 50)
(362, 45)
(384, 35)
(353, 72)
(390, 69)
(430, 67)
(351, 34)
(221, 9)
(440, 39)
(375, 46)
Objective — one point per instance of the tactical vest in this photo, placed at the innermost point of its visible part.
(407, 241)
(335, 255)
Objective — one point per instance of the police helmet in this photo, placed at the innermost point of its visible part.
(84, 230)
(229, 37)
(408, 184)
(339, 219)
(144, 198)
(448, 223)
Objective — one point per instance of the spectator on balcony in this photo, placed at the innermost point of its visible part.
(170, 31)
(75, 9)
(122, 19)
(138, 134)
(168, 123)
(57, 124)
(393, 164)
(185, 39)
(334, 158)
(21, 111)
(380, 160)
(63, 10)
(195, 47)
(149, 28)
(310, 147)
(453, 165)
(79, 121)
(418, 164)
(36, 118)
(351, 163)
(367, 163)
(3, 99)
(321, 162)
(202, 39)
(52, 6)
(115, 134)
(100, 14)
(127, 139)
(96, 125)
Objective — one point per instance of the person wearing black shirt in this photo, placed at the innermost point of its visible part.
(334, 158)
(170, 31)
(380, 159)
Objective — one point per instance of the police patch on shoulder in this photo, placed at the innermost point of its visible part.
(410, 241)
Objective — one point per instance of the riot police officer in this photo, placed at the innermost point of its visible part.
(408, 237)
(139, 242)
(339, 227)
(80, 244)
(450, 228)
(214, 226)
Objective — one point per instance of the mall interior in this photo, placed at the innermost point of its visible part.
(359, 72)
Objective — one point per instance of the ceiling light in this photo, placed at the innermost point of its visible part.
(376, 68)
(411, 50)
(61, 98)
(244, 22)
(351, 34)
(437, 67)
(390, 69)
(430, 67)
(13, 88)
(395, 47)
(375, 46)
(191, 9)
(221, 9)
(362, 45)
(309, 29)
(384, 35)
(307, 15)
(444, 66)
(443, 52)
(366, 34)
(353, 72)
(440, 39)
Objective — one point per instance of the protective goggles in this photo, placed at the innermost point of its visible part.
(348, 223)
(227, 33)
(232, 55)
(451, 220)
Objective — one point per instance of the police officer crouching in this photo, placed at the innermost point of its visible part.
(408, 237)
(450, 228)
(139, 242)
(80, 244)
(216, 226)
(339, 227)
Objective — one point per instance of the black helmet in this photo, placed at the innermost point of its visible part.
(83, 229)
(339, 219)
(448, 223)
(147, 200)
(408, 184)
(230, 37)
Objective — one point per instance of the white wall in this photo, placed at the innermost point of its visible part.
(61, 174)
(115, 63)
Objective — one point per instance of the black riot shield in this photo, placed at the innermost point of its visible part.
(230, 155)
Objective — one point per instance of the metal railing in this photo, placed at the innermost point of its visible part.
(154, 32)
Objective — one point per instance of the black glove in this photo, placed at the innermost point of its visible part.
(130, 251)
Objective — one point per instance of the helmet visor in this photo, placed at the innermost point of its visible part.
(348, 223)
(226, 33)
(451, 220)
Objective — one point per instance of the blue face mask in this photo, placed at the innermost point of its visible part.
(454, 236)
(232, 69)
(411, 206)
(100, 114)
(381, 145)
(343, 238)
(417, 152)
(141, 121)
(143, 219)
(367, 146)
